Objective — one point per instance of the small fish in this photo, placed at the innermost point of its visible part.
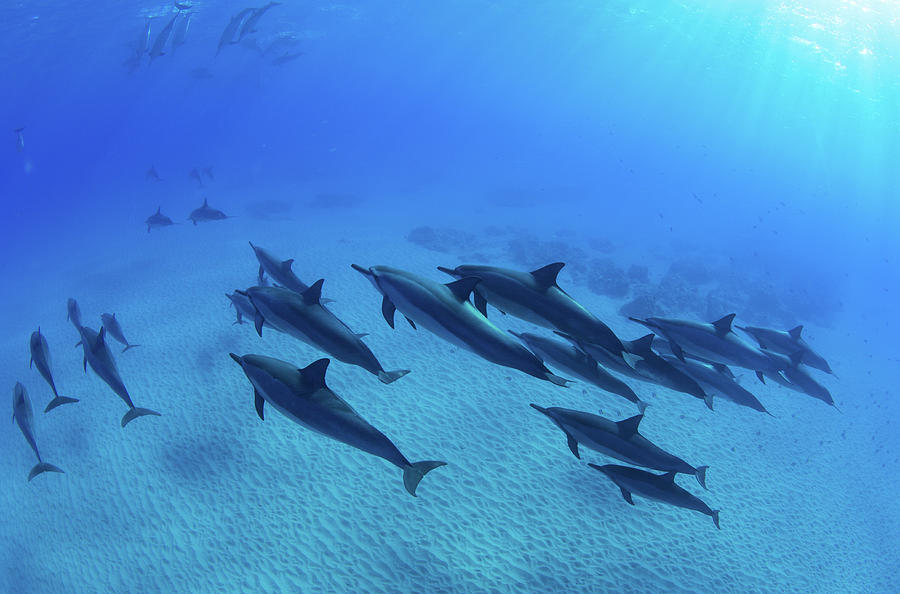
(20, 139)
(195, 174)
(152, 174)
(114, 329)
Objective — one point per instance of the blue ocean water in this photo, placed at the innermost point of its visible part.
(684, 159)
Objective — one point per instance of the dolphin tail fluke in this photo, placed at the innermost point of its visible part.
(416, 471)
(700, 475)
(130, 346)
(715, 517)
(42, 467)
(388, 377)
(136, 412)
(59, 401)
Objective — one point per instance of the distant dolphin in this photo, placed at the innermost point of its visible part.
(114, 329)
(195, 174)
(20, 139)
(40, 357)
(285, 58)
(158, 220)
(208, 172)
(279, 271)
(206, 213)
(183, 6)
(573, 361)
(715, 381)
(24, 417)
(788, 343)
(73, 313)
(181, 29)
(161, 39)
(249, 25)
(715, 341)
(800, 381)
(536, 297)
(445, 311)
(227, 37)
(152, 174)
(97, 355)
(140, 48)
(303, 317)
(302, 396)
(620, 440)
(660, 487)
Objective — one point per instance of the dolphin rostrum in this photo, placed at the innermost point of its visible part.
(788, 343)
(302, 316)
(303, 397)
(536, 297)
(445, 311)
(40, 357)
(660, 487)
(114, 329)
(206, 213)
(98, 356)
(573, 361)
(158, 220)
(24, 417)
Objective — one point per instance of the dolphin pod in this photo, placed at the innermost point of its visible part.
(303, 396)
(445, 311)
(24, 418)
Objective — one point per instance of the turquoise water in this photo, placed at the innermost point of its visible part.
(685, 160)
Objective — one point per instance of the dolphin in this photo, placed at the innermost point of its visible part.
(573, 361)
(181, 29)
(715, 341)
(158, 220)
(714, 381)
(619, 440)
(114, 329)
(285, 58)
(242, 306)
(208, 172)
(660, 487)
(662, 347)
(40, 357)
(302, 316)
(206, 213)
(20, 139)
(227, 37)
(445, 311)
(161, 39)
(249, 25)
(536, 297)
(303, 396)
(800, 381)
(195, 174)
(98, 356)
(23, 417)
(73, 313)
(183, 6)
(278, 270)
(153, 174)
(788, 343)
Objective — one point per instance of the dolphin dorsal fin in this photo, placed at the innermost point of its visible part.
(158, 209)
(101, 339)
(723, 325)
(313, 294)
(795, 332)
(287, 264)
(205, 203)
(629, 427)
(463, 287)
(643, 344)
(314, 373)
(546, 276)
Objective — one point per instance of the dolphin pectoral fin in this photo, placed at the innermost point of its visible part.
(42, 467)
(260, 402)
(388, 377)
(708, 401)
(361, 335)
(387, 310)
(715, 517)
(31, 363)
(556, 380)
(59, 401)
(136, 412)
(481, 303)
(700, 475)
(130, 346)
(668, 477)
(627, 495)
(631, 359)
(411, 323)
(415, 472)
(258, 322)
(676, 350)
(326, 300)
(761, 377)
(723, 369)
(84, 364)
(262, 273)
(573, 445)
